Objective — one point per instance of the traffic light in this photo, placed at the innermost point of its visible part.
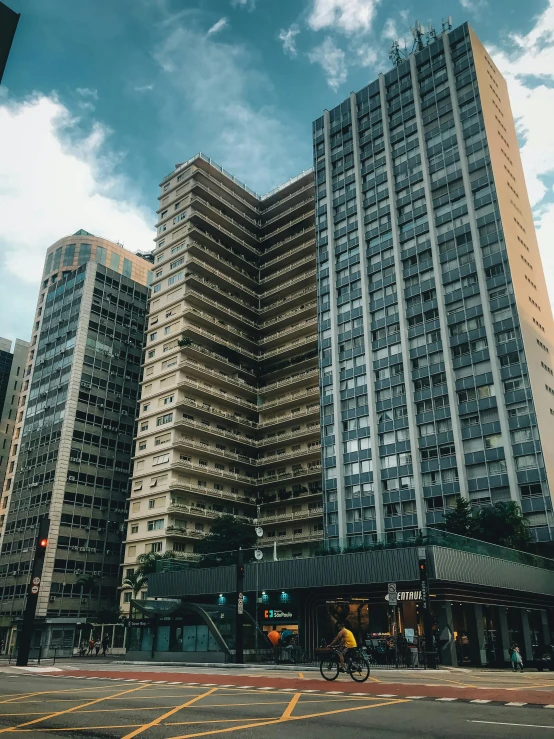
(43, 543)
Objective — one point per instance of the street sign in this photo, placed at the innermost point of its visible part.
(393, 599)
(392, 587)
(259, 531)
(240, 607)
(36, 580)
(34, 589)
(258, 554)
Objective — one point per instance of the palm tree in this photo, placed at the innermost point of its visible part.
(147, 562)
(87, 583)
(136, 581)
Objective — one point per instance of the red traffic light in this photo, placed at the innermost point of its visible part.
(43, 543)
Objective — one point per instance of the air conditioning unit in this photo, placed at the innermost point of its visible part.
(100, 405)
(84, 600)
(71, 478)
(74, 549)
(74, 459)
(87, 528)
(124, 413)
(52, 598)
(34, 485)
(78, 572)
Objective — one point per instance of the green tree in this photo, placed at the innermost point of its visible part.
(504, 524)
(462, 520)
(136, 581)
(147, 562)
(226, 536)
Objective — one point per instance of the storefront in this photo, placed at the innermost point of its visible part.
(480, 602)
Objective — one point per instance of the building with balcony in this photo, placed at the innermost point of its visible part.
(12, 365)
(72, 445)
(436, 332)
(229, 410)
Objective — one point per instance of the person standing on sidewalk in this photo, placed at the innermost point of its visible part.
(517, 661)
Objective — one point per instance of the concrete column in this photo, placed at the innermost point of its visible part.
(527, 646)
(476, 634)
(545, 628)
(446, 636)
(504, 632)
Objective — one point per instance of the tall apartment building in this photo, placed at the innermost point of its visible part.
(12, 365)
(229, 414)
(436, 332)
(72, 445)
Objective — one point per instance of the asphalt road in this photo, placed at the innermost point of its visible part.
(40, 707)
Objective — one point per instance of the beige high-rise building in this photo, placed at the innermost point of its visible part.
(12, 365)
(229, 414)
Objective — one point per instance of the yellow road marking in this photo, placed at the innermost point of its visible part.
(75, 728)
(280, 721)
(156, 721)
(301, 675)
(290, 708)
(49, 692)
(69, 710)
(374, 679)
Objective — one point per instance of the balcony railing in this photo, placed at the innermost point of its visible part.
(311, 428)
(289, 253)
(220, 324)
(289, 345)
(204, 265)
(283, 285)
(230, 234)
(294, 538)
(292, 237)
(189, 442)
(314, 390)
(183, 531)
(211, 492)
(291, 516)
(288, 313)
(207, 408)
(289, 380)
(223, 378)
(226, 474)
(220, 306)
(288, 210)
(218, 255)
(277, 458)
(238, 438)
(308, 323)
(219, 340)
(190, 382)
(202, 512)
(220, 358)
(280, 476)
(310, 410)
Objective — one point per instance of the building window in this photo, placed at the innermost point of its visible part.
(156, 524)
(167, 418)
(134, 529)
(156, 546)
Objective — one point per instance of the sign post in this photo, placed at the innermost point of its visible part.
(28, 625)
(239, 642)
(426, 608)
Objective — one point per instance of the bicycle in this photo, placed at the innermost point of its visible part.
(356, 665)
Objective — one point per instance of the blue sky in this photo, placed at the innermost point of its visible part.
(102, 97)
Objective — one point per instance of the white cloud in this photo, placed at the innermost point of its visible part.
(473, 6)
(333, 61)
(229, 99)
(219, 26)
(348, 16)
(87, 92)
(86, 98)
(144, 88)
(390, 30)
(244, 4)
(289, 40)
(527, 63)
(55, 180)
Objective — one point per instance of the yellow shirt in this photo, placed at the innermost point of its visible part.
(349, 640)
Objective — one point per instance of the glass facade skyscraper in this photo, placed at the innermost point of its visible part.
(434, 320)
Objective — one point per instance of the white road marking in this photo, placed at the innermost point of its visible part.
(480, 701)
(516, 704)
(505, 723)
(446, 699)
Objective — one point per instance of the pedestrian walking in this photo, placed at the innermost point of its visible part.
(517, 661)
(105, 645)
(91, 645)
(97, 648)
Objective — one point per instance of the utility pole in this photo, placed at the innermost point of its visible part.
(426, 607)
(28, 626)
(239, 642)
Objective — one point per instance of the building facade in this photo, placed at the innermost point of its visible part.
(12, 365)
(229, 414)
(72, 446)
(435, 325)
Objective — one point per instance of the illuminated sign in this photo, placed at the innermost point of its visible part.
(407, 595)
(276, 613)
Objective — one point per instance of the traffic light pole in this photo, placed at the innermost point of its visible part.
(33, 589)
(239, 643)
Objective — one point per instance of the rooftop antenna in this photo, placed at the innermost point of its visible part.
(431, 33)
(447, 24)
(418, 32)
(394, 54)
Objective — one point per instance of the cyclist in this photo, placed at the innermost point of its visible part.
(346, 641)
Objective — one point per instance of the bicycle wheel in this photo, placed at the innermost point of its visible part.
(329, 667)
(359, 669)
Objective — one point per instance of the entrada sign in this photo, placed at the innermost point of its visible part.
(407, 595)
